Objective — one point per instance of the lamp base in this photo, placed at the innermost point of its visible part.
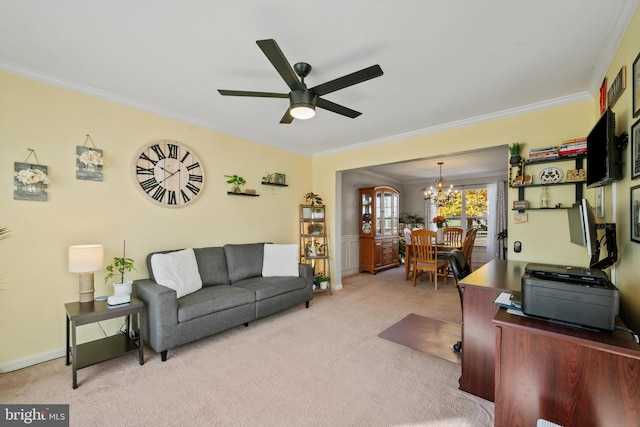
(86, 289)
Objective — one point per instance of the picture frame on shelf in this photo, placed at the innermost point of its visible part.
(617, 86)
(636, 86)
(635, 214)
(281, 178)
(635, 150)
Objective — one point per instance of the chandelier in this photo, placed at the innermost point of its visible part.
(441, 197)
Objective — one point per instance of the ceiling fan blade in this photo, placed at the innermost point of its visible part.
(348, 80)
(250, 93)
(272, 51)
(337, 108)
(287, 118)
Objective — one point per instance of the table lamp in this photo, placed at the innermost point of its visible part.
(85, 259)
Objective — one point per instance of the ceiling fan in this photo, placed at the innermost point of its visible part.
(303, 101)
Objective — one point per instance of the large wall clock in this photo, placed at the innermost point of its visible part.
(168, 173)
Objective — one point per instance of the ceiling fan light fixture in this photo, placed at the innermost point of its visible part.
(302, 112)
(303, 104)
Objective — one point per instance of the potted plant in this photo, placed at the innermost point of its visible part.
(236, 182)
(515, 149)
(321, 248)
(315, 228)
(315, 202)
(323, 280)
(118, 267)
(269, 178)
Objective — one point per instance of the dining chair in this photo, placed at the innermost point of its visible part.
(453, 236)
(425, 256)
(468, 244)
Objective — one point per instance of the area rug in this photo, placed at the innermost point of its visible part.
(427, 335)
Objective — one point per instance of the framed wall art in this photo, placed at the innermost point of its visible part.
(89, 161)
(617, 86)
(635, 214)
(636, 86)
(635, 150)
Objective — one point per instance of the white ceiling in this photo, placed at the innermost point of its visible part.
(445, 63)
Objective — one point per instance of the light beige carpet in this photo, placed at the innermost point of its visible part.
(322, 366)
(427, 335)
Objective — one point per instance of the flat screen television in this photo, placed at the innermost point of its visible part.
(604, 163)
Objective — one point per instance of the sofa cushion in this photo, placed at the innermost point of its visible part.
(177, 270)
(280, 260)
(244, 261)
(267, 287)
(212, 266)
(212, 299)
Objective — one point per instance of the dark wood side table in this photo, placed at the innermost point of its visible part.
(101, 350)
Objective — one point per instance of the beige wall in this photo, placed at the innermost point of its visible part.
(34, 275)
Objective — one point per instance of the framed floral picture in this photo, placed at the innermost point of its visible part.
(635, 150)
(30, 182)
(635, 214)
(89, 163)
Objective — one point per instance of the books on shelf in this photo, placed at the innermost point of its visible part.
(573, 147)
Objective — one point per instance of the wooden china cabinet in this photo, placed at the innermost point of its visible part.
(379, 228)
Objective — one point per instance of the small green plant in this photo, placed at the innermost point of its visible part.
(516, 148)
(236, 181)
(119, 266)
(269, 177)
(313, 199)
(322, 278)
(321, 248)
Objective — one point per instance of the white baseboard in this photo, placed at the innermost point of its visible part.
(14, 365)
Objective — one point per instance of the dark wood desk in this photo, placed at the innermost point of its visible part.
(567, 375)
(479, 290)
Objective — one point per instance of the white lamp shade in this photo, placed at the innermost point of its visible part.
(86, 258)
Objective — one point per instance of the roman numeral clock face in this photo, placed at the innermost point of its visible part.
(168, 173)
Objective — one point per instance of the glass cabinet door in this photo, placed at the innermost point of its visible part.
(365, 214)
(387, 213)
(379, 213)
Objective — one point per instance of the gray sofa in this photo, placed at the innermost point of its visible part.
(233, 293)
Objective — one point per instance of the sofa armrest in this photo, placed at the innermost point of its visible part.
(161, 303)
(305, 271)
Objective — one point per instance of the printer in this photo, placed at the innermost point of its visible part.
(582, 296)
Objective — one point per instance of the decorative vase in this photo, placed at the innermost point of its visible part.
(544, 198)
(91, 168)
(33, 189)
(323, 285)
(440, 237)
(123, 288)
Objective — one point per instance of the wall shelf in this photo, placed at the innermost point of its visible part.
(273, 184)
(578, 159)
(231, 193)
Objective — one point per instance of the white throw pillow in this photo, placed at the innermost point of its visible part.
(280, 260)
(178, 271)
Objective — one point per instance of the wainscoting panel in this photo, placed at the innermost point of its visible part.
(350, 246)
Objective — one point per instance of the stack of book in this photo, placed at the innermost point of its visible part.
(544, 153)
(573, 147)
